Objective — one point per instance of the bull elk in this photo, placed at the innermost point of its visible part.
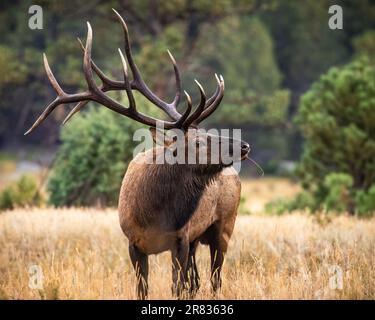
(166, 207)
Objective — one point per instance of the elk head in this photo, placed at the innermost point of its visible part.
(185, 121)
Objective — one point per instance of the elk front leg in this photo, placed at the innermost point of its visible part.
(192, 270)
(218, 248)
(140, 264)
(180, 254)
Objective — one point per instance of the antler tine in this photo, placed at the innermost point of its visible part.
(177, 97)
(216, 93)
(185, 115)
(61, 98)
(51, 77)
(198, 111)
(44, 115)
(77, 108)
(140, 85)
(68, 98)
(126, 81)
(108, 84)
(215, 103)
(87, 70)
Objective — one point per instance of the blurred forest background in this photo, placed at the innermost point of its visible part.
(270, 52)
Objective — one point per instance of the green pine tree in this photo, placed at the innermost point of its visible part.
(337, 119)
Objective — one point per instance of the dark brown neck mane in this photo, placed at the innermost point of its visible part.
(171, 193)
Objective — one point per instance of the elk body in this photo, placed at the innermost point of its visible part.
(168, 206)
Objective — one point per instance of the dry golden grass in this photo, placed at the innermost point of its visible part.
(261, 191)
(83, 255)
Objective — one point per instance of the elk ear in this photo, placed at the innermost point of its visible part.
(160, 137)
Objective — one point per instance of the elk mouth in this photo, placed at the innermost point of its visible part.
(245, 149)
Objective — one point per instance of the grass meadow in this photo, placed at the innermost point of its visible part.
(82, 254)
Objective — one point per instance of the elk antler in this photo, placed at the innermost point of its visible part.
(97, 94)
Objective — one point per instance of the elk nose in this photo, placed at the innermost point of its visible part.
(245, 148)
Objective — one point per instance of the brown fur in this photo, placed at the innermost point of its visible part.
(174, 207)
(218, 204)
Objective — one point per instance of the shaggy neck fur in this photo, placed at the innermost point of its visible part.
(172, 193)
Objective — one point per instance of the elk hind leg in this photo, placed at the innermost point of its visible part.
(140, 264)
